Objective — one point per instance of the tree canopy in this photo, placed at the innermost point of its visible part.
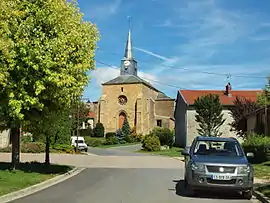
(242, 107)
(209, 115)
(46, 51)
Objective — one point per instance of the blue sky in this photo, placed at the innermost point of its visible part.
(187, 44)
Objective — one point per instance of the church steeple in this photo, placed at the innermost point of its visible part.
(128, 63)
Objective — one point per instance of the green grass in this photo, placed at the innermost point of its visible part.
(173, 152)
(27, 174)
(262, 171)
(265, 190)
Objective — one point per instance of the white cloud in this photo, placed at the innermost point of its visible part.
(105, 10)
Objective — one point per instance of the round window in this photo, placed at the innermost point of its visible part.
(122, 99)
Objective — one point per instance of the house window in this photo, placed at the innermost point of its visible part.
(122, 89)
(159, 123)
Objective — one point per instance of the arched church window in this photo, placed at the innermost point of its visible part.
(122, 99)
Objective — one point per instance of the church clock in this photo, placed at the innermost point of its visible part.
(126, 63)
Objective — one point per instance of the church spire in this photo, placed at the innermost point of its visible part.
(128, 50)
(128, 63)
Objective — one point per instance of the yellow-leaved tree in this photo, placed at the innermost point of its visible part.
(46, 51)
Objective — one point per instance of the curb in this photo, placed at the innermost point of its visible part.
(179, 158)
(40, 186)
(261, 197)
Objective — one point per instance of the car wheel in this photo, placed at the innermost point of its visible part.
(86, 150)
(247, 194)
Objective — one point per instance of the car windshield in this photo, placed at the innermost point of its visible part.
(79, 141)
(217, 148)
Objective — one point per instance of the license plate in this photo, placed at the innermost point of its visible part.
(221, 177)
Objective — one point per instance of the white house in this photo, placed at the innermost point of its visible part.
(185, 124)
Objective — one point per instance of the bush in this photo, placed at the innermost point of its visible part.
(94, 142)
(88, 132)
(26, 138)
(64, 148)
(136, 137)
(6, 149)
(111, 140)
(110, 134)
(120, 136)
(165, 135)
(259, 145)
(98, 130)
(128, 139)
(33, 147)
(151, 143)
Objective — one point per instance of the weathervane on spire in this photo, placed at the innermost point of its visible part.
(129, 22)
(229, 77)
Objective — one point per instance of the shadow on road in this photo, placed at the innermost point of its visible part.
(36, 167)
(182, 191)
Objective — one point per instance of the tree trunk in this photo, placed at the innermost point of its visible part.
(47, 150)
(15, 141)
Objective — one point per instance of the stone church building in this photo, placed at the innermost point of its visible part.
(129, 96)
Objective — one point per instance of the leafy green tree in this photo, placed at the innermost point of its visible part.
(241, 108)
(209, 115)
(46, 51)
(264, 97)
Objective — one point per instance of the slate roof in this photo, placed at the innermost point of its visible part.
(191, 95)
(132, 79)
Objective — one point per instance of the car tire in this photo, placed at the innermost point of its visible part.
(86, 150)
(247, 194)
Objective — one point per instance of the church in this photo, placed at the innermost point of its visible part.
(129, 96)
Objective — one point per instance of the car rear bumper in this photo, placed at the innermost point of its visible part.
(237, 183)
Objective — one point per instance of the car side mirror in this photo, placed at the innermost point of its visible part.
(250, 155)
(185, 152)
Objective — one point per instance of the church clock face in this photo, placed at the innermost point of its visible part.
(126, 64)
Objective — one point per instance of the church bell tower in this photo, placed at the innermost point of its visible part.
(128, 63)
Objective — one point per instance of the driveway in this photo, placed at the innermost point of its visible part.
(121, 179)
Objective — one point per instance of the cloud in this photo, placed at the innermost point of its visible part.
(105, 10)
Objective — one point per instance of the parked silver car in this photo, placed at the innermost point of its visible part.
(215, 163)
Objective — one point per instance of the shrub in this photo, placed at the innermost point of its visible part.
(165, 135)
(128, 139)
(64, 148)
(126, 128)
(136, 137)
(26, 138)
(33, 147)
(259, 145)
(120, 136)
(111, 140)
(6, 149)
(110, 134)
(151, 143)
(94, 142)
(88, 132)
(98, 130)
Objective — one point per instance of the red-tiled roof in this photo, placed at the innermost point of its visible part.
(191, 95)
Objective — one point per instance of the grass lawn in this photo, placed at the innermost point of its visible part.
(26, 175)
(262, 171)
(173, 152)
(265, 190)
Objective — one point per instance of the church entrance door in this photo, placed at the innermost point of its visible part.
(121, 119)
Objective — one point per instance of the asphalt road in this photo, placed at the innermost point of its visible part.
(134, 180)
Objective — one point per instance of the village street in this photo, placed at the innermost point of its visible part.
(120, 176)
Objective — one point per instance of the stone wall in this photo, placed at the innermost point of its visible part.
(164, 108)
(4, 139)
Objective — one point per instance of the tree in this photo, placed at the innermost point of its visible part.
(264, 97)
(242, 107)
(99, 130)
(126, 127)
(209, 115)
(46, 51)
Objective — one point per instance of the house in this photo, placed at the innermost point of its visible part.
(185, 124)
(256, 121)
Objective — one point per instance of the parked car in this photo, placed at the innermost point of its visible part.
(81, 143)
(215, 163)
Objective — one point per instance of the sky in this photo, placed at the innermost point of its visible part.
(187, 44)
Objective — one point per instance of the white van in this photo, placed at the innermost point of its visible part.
(81, 143)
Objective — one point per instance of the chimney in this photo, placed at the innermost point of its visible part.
(228, 90)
